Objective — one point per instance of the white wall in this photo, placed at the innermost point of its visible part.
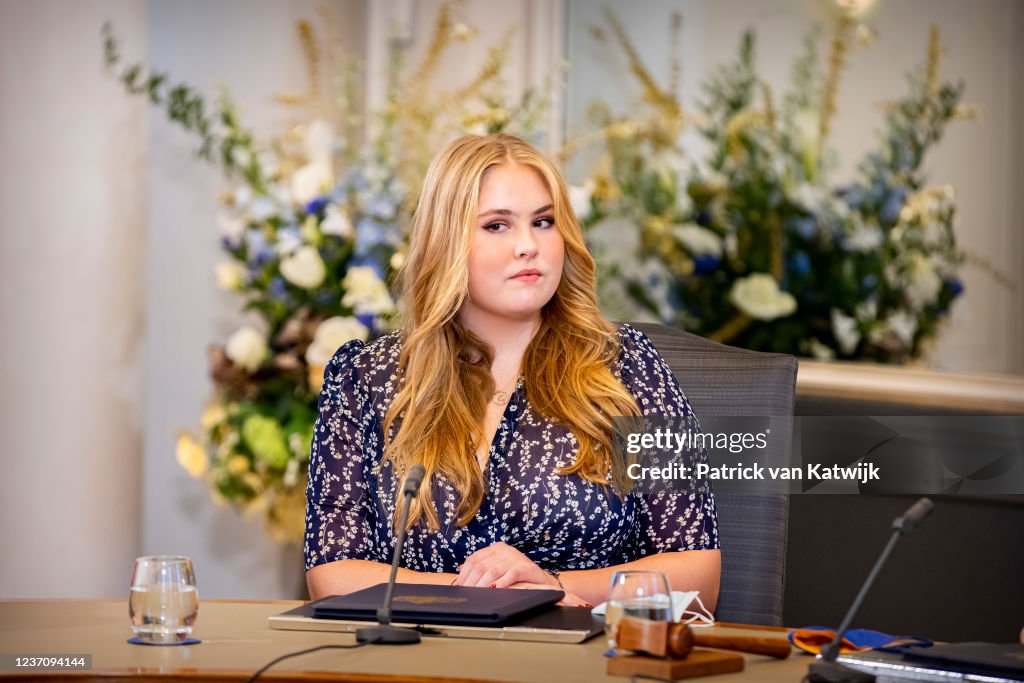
(72, 231)
(981, 160)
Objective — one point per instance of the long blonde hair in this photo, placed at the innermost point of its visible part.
(444, 369)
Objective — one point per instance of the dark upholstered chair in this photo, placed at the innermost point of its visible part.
(723, 381)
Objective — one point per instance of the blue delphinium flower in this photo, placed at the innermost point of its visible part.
(382, 206)
(339, 194)
(853, 194)
(278, 289)
(799, 262)
(228, 244)
(868, 284)
(257, 250)
(806, 226)
(367, 319)
(956, 286)
(316, 206)
(324, 297)
(372, 233)
(705, 264)
(890, 210)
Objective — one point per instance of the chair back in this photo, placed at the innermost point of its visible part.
(723, 381)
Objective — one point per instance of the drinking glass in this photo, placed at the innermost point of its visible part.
(639, 594)
(164, 599)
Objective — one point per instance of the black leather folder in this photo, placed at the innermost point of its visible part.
(430, 604)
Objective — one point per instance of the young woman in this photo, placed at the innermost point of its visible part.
(502, 384)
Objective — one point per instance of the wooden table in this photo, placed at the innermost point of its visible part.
(237, 641)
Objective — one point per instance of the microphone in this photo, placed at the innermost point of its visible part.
(827, 670)
(383, 633)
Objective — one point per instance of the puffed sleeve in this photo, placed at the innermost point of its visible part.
(666, 520)
(340, 512)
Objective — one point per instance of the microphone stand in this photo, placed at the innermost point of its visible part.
(383, 633)
(828, 670)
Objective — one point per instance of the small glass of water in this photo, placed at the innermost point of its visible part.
(164, 599)
(638, 594)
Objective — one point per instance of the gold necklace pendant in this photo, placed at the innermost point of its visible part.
(502, 397)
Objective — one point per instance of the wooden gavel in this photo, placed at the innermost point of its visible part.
(677, 640)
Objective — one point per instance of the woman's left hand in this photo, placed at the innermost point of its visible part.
(500, 566)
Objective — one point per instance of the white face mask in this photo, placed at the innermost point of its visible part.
(688, 613)
(683, 609)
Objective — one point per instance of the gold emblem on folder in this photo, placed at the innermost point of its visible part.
(428, 599)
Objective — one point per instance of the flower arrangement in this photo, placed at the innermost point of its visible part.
(312, 231)
(752, 244)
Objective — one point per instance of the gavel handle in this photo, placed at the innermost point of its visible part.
(770, 647)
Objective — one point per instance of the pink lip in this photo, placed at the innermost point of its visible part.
(527, 275)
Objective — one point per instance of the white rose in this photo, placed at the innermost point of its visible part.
(304, 268)
(845, 330)
(231, 226)
(697, 240)
(319, 142)
(330, 335)
(903, 323)
(810, 197)
(758, 295)
(864, 238)
(230, 274)
(365, 292)
(579, 197)
(924, 282)
(309, 181)
(336, 222)
(247, 349)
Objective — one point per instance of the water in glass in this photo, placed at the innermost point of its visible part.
(164, 600)
(638, 594)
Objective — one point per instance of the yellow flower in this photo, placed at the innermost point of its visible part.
(212, 416)
(192, 456)
(238, 464)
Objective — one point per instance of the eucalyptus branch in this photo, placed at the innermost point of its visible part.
(222, 137)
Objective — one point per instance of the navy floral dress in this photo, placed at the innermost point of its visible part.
(558, 521)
